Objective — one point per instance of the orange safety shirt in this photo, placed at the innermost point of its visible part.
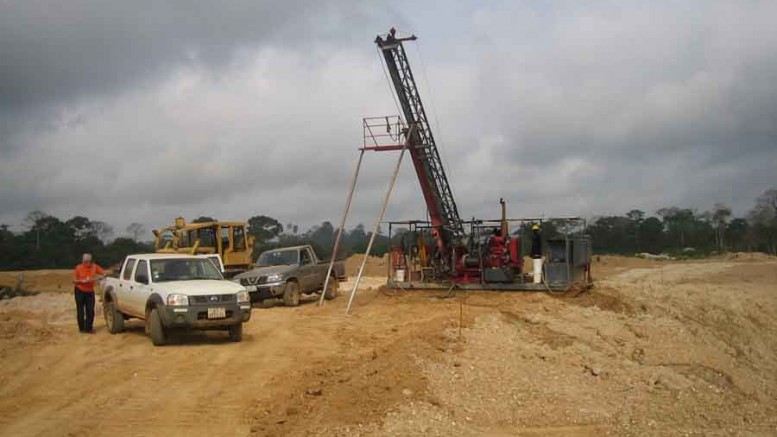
(87, 272)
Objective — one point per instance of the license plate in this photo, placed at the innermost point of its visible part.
(217, 313)
(250, 287)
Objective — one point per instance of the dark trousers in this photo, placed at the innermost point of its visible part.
(84, 310)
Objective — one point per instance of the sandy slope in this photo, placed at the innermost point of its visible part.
(40, 280)
(657, 348)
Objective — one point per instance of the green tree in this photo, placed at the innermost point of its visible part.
(204, 219)
(79, 225)
(264, 228)
(355, 240)
(737, 233)
(763, 222)
(651, 234)
(322, 238)
(612, 234)
(721, 214)
(636, 217)
(678, 223)
(103, 231)
(114, 252)
(136, 230)
(34, 222)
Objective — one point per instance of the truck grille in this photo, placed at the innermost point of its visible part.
(253, 280)
(213, 298)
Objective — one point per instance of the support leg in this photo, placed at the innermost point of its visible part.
(340, 230)
(379, 219)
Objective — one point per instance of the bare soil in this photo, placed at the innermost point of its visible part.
(376, 266)
(56, 281)
(660, 348)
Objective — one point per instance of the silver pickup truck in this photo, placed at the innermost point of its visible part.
(289, 272)
(171, 291)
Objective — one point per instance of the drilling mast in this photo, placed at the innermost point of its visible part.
(443, 213)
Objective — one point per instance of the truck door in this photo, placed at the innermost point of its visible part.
(139, 289)
(307, 271)
(124, 284)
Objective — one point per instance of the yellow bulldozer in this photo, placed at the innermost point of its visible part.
(229, 239)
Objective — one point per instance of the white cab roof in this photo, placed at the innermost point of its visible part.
(152, 256)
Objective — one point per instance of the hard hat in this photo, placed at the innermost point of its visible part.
(535, 227)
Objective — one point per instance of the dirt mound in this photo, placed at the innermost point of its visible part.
(357, 391)
(376, 266)
(603, 266)
(23, 330)
(41, 280)
(750, 256)
(641, 355)
(35, 319)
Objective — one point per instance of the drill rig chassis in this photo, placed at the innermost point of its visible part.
(494, 260)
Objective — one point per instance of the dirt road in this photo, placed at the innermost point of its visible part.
(660, 348)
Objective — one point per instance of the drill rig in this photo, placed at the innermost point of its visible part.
(438, 252)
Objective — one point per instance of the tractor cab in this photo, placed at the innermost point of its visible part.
(228, 239)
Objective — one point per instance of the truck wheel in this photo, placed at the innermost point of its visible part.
(331, 289)
(291, 294)
(236, 333)
(114, 319)
(158, 336)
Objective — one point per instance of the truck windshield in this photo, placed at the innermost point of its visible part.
(183, 269)
(277, 258)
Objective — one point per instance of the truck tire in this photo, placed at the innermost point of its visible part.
(331, 289)
(158, 335)
(114, 319)
(291, 294)
(236, 333)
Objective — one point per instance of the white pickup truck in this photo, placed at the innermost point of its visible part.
(171, 291)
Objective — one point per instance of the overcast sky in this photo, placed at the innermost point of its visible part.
(146, 110)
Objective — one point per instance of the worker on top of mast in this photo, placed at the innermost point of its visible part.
(392, 35)
(536, 253)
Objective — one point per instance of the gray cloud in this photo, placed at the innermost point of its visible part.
(141, 112)
(54, 51)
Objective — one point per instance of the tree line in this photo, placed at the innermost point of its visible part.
(687, 232)
(50, 242)
(270, 233)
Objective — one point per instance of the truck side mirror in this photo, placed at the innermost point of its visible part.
(142, 278)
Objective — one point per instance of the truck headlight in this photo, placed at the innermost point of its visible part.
(178, 300)
(275, 277)
(243, 297)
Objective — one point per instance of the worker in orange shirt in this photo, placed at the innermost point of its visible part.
(84, 277)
